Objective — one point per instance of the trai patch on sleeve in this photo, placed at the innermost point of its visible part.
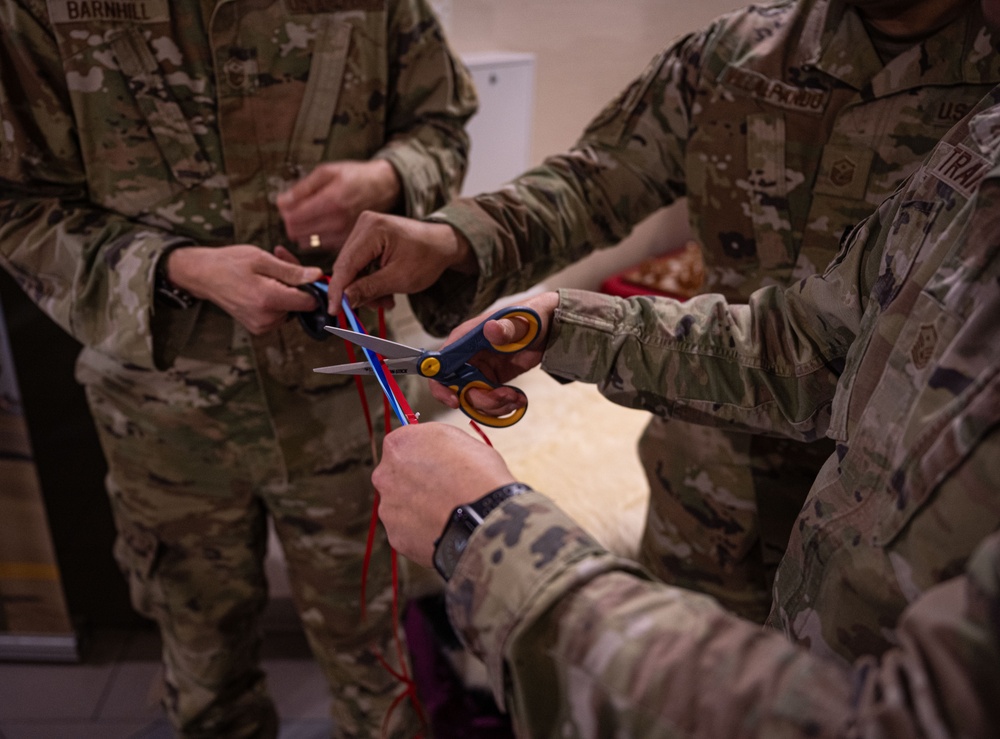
(959, 167)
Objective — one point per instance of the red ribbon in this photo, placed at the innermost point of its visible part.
(403, 674)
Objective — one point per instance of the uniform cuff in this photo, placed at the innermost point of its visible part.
(455, 296)
(585, 325)
(523, 557)
(419, 178)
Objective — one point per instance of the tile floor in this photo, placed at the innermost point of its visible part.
(113, 693)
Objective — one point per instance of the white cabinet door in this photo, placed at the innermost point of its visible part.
(501, 129)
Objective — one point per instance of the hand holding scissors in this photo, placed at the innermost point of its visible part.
(449, 365)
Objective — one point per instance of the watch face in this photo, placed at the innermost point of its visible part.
(452, 552)
(464, 520)
(453, 543)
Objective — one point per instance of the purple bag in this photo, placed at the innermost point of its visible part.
(454, 710)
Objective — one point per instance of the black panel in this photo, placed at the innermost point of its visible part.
(70, 463)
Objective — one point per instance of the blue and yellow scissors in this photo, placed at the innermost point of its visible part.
(449, 365)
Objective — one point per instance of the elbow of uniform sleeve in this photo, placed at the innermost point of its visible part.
(630, 657)
(430, 174)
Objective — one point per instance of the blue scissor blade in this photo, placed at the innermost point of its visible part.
(395, 366)
(388, 349)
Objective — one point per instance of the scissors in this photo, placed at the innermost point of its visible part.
(449, 365)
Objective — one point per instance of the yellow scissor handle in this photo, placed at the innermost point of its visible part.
(534, 326)
(477, 415)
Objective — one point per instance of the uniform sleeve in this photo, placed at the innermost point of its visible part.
(770, 366)
(431, 99)
(628, 163)
(89, 269)
(580, 643)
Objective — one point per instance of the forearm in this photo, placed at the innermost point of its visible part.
(654, 661)
(579, 641)
(542, 222)
(769, 366)
(743, 366)
(576, 639)
(629, 162)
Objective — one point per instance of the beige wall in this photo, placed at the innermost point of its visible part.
(586, 52)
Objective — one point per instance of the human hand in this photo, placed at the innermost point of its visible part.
(325, 204)
(426, 471)
(411, 256)
(500, 368)
(256, 288)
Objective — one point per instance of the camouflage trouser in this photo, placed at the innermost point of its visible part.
(721, 508)
(199, 458)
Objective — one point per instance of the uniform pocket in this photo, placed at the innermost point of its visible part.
(166, 121)
(289, 357)
(956, 401)
(867, 360)
(947, 439)
(767, 197)
(136, 550)
(326, 75)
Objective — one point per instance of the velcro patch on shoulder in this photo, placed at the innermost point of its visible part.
(117, 11)
(959, 167)
(312, 7)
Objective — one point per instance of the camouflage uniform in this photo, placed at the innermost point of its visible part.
(130, 127)
(783, 129)
(889, 593)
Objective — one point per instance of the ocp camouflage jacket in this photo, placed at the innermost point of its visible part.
(779, 123)
(886, 616)
(129, 127)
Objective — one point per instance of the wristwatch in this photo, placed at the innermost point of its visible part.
(166, 292)
(464, 520)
